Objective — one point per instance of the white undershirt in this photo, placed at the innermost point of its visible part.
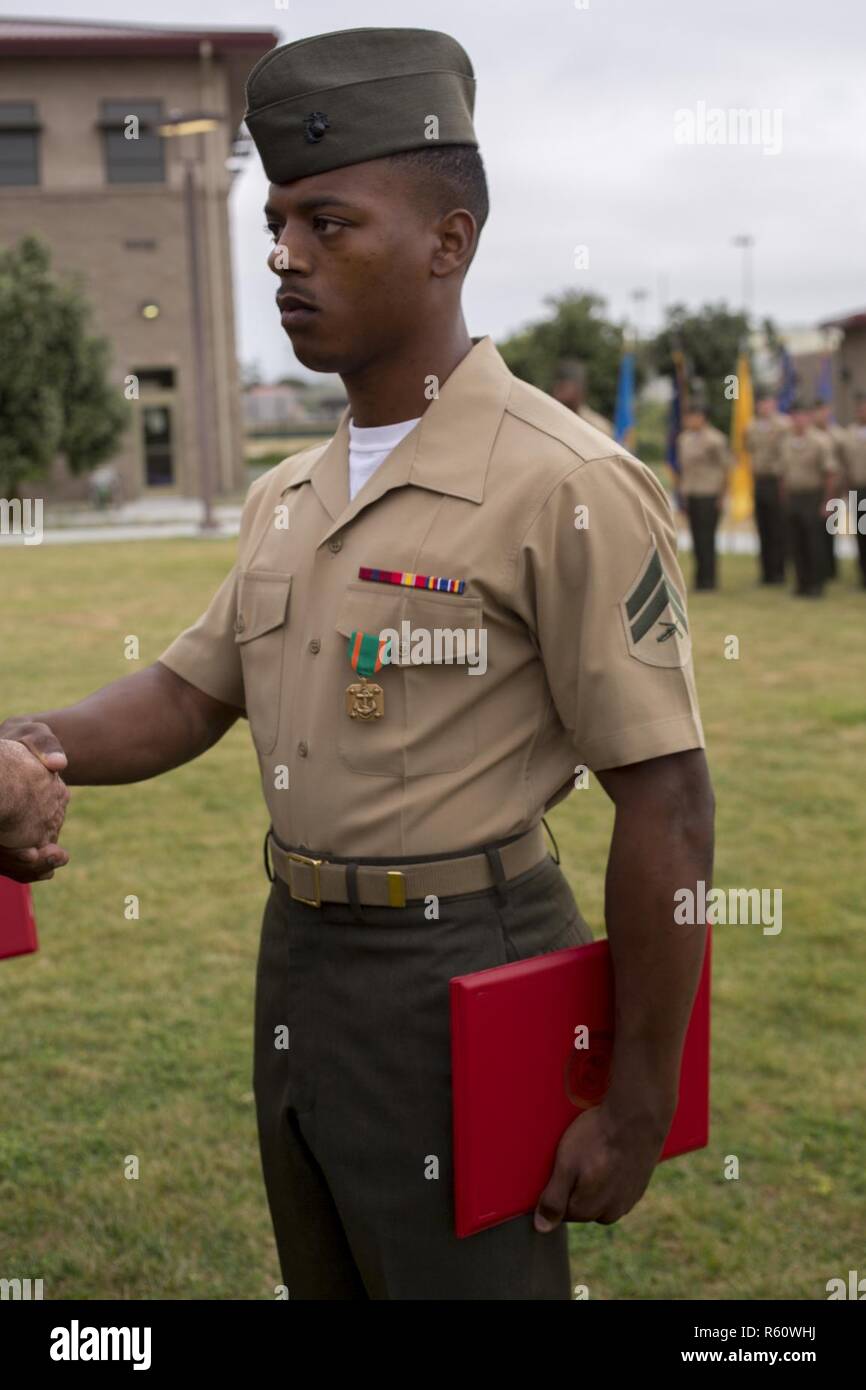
(368, 448)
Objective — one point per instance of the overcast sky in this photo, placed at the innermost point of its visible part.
(576, 117)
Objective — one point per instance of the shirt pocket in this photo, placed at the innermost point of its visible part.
(260, 634)
(429, 724)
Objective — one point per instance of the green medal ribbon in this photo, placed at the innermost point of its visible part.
(368, 653)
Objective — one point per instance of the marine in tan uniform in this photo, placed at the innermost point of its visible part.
(705, 461)
(569, 388)
(405, 795)
(808, 471)
(822, 420)
(854, 448)
(763, 440)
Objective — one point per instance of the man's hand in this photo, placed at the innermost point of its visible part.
(41, 740)
(602, 1168)
(33, 802)
(662, 842)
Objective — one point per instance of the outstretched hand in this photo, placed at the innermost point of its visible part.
(33, 801)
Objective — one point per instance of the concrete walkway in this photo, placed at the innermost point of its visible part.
(149, 518)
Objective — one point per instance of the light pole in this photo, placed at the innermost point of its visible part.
(197, 123)
(638, 298)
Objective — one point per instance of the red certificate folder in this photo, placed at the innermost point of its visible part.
(17, 922)
(518, 1081)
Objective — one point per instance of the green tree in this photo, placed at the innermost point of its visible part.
(710, 340)
(56, 395)
(577, 328)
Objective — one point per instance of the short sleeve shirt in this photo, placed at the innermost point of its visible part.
(807, 459)
(704, 459)
(855, 455)
(519, 568)
(764, 442)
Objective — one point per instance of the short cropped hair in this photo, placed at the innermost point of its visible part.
(447, 177)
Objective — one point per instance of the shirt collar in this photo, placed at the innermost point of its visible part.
(448, 451)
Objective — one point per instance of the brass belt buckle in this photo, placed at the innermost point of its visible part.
(396, 888)
(314, 863)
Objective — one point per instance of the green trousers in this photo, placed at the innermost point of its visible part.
(354, 1115)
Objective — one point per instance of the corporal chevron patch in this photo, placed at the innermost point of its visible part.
(654, 616)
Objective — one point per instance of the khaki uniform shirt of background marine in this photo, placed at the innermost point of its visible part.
(855, 456)
(588, 646)
(835, 436)
(764, 442)
(806, 460)
(704, 459)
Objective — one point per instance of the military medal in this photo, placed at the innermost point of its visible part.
(367, 654)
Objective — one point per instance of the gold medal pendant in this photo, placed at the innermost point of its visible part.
(367, 654)
(365, 700)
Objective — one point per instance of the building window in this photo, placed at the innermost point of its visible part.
(19, 150)
(133, 149)
(155, 378)
(158, 444)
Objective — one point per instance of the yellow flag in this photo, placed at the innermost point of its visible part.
(740, 484)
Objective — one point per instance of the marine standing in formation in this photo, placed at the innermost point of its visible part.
(855, 478)
(763, 441)
(569, 388)
(705, 461)
(835, 438)
(808, 472)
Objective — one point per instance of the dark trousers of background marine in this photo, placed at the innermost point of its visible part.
(808, 546)
(770, 521)
(828, 547)
(703, 520)
(861, 535)
(354, 1116)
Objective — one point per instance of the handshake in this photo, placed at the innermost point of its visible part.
(33, 801)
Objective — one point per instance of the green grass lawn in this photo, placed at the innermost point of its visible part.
(135, 1037)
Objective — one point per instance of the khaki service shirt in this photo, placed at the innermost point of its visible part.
(566, 543)
(764, 441)
(704, 459)
(806, 460)
(836, 439)
(854, 450)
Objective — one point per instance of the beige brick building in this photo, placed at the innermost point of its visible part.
(849, 377)
(118, 210)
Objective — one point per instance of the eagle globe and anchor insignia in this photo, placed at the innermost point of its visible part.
(365, 699)
(315, 126)
(587, 1071)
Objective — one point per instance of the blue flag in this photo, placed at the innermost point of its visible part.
(623, 420)
(675, 419)
(788, 388)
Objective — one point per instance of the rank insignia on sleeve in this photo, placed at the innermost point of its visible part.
(654, 617)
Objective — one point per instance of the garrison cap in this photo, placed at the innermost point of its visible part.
(358, 94)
